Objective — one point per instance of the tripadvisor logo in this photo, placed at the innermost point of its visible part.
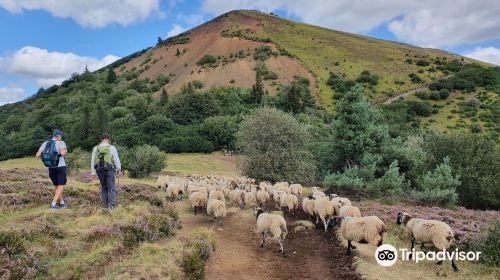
(387, 255)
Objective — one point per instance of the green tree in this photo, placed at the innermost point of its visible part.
(356, 130)
(296, 97)
(111, 76)
(257, 89)
(221, 130)
(101, 118)
(274, 147)
(163, 97)
(143, 160)
(438, 187)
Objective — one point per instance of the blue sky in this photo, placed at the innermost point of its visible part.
(42, 42)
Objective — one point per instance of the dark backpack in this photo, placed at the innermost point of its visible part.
(50, 155)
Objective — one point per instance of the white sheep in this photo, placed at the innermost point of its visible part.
(175, 191)
(272, 224)
(369, 229)
(198, 200)
(282, 186)
(262, 197)
(296, 189)
(317, 194)
(323, 209)
(308, 205)
(339, 202)
(219, 195)
(427, 231)
(288, 202)
(250, 200)
(349, 211)
(236, 196)
(217, 209)
(161, 182)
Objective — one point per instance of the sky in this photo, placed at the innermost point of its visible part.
(42, 42)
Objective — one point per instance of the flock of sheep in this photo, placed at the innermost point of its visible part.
(209, 193)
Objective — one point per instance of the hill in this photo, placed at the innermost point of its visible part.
(215, 66)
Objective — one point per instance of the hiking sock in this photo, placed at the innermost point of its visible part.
(61, 202)
(53, 204)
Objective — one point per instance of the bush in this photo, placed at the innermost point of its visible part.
(220, 130)
(197, 84)
(77, 159)
(438, 187)
(415, 78)
(136, 233)
(263, 52)
(207, 59)
(367, 77)
(391, 183)
(339, 84)
(187, 144)
(198, 248)
(141, 161)
(11, 243)
(274, 148)
(488, 245)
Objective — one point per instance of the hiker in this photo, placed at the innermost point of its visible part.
(52, 153)
(105, 162)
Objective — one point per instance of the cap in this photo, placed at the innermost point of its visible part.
(58, 132)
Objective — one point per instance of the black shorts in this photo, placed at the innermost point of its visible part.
(58, 176)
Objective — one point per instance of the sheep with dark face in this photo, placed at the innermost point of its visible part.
(369, 229)
(272, 224)
(427, 231)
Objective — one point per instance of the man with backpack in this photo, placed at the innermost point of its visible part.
(105, 162)
(52, 153)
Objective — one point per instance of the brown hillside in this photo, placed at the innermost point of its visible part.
(206, 39)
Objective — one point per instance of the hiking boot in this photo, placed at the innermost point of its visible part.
(62, 206)
(54, 206)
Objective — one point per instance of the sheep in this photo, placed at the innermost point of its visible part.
(236, 196)
(296, 189)
(161, 182)
(219, 195)
(369, 229)
(323, 209)
(426, 231)
(198, 200)
(217, 209)
(250, 200)
(308, 205)
(317, 193)
(349, 211)
(288, 201)
(282, 186)
(276, 197)
(271, 224)
(199, 189)
(339, 202)
(175, 191)
(262, 197)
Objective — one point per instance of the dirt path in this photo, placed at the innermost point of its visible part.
(310, 254)
(411, 91)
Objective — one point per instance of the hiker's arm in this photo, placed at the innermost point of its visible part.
(63, 150)
(116, 159)
(39, 152)
(92, 162)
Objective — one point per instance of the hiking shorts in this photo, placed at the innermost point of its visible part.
(58, 176)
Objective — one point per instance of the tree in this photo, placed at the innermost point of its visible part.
(177, 53)
(274, 147)
(143, 160)
(296, 97)
(257, 89)
(438, 186)
(356, 131)
(102, 118)
(111, 76)
(163, 97)
(159, 40)
(221, 130)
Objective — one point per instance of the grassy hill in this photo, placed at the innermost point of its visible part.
(216, 65)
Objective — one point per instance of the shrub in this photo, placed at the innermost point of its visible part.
(77, 159)
(11, 243)
(263, 52)
(422, 63)
(207, 59)
(143, 160)
(339, 84)
(136, 233)
(274, 147)
(391, 183)
(415, 78)
(367, 77)
(475, 128)
(197, 249)
(220, 130)
(438, 187)
(489, 245)
(197, 84)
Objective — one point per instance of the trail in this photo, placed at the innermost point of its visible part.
(411, 91)
(310, 254)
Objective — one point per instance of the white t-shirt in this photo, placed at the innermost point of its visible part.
(59, 145)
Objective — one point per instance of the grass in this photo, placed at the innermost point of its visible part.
(183, 164)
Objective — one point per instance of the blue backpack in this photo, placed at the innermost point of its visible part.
(50, 155)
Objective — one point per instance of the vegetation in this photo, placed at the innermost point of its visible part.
(273, 145)
(207, 59)
(141, 161)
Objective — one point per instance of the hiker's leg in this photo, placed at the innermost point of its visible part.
(111, 189)
(104, 188)
(58, 193)
(62, 180)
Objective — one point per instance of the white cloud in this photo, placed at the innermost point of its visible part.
(11, 95)
(91, 13)
(49, 68)
(489, 54)
(422, 22)
(176, 29)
